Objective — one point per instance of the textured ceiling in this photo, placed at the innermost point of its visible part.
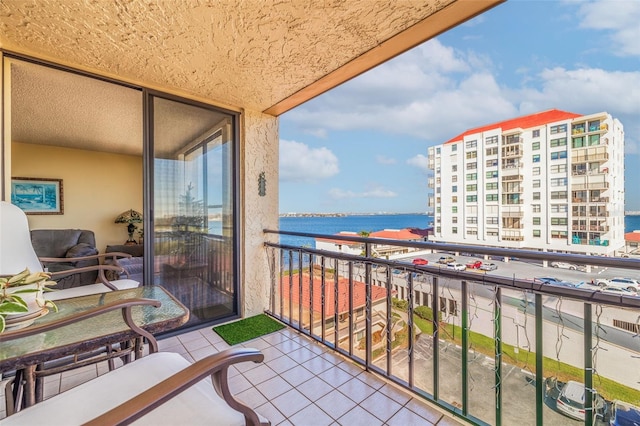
(263, 55)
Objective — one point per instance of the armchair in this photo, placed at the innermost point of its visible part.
(17, 253)
(161, 388)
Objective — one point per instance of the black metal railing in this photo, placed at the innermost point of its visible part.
(492, 346)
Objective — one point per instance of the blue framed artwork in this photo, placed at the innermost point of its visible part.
(37, 195)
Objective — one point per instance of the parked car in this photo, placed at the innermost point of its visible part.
(546, 280)
(565, 265)
(446, 259)
(420, 261)
(488, 267)
(625, 283)
(474, 264)
(617, 290)
(623, 414)
(456, 266)
(570, 401)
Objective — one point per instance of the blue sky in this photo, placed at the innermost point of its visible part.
(362, 146)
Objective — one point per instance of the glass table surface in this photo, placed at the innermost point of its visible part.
(92, 332)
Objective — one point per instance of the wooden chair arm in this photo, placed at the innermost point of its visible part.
(216, 366)
(99, 268)
(113, 255)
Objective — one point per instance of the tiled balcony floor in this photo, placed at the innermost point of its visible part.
(300, 382)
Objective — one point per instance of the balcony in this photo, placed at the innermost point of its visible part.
(482, 343)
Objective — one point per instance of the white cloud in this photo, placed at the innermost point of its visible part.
(381, 159)
(300, 163)
(378, 192)
(420, 161)
(619, 18)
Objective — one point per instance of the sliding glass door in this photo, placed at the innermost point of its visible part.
(193, 208)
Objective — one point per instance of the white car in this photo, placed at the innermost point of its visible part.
(456, 266)
(565, 265)
(624, 283)
(617, 290)
(570, 402)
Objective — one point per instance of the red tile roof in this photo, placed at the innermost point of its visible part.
(400, 234)
(632, 236)
(359, 296)
(524, 122)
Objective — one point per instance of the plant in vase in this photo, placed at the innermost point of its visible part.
(23, 293)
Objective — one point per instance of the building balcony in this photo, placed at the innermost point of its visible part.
(582, 158)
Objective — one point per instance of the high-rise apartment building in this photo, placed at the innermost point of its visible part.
(551, 181)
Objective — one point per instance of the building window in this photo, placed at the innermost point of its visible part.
(454, 178)
(472, 166)
(471, 144)
(454, 209)
(492, 197)
(438, 150)
(536, 158)
(492, 163)
(453, 307)
(454, 199)
(472, 220)
(472, 198)
(559, 234)
(558, 220)
(535, 171)
(558, 155)
(492, 233)
(492, 174)
(558, 142)
(560, 128)
(491, 151)
(594, 140)
(558, 195)
(535, 134)
(535, 146)
(559, 208)
(491, 140)
(454, 219)
(559, 182)
(577, 142)
(454, 188)
(454, 147)
(536, 195)
(472, 231)
(559, 168)
(454, 168)
(536, 183)
(492, 221)
(536, 233)
(472, 187)
(536, 221)
(491, 185)
(454, 230)
(438, 229)
(472, 154)
(472, 176)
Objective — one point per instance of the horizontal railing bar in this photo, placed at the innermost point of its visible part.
(490, 251)
(582, 294)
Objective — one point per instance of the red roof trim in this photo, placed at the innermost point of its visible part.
(524, 122)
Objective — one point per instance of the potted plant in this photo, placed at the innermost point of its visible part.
(23, 294)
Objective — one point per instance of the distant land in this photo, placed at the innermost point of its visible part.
(348, 214)
(632, 213)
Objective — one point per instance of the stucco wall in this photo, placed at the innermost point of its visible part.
(97, 187)
(259, 153)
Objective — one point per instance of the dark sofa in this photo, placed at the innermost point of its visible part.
(67, 243)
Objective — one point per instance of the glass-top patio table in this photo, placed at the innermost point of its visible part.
(27, 355)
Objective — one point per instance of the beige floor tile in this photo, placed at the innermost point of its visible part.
(275, 338)
(424, 410)
(314, 388)
(259, 374)
(290, 402)
(406, 417)
(396, 394)
(381, 406)
(335, 404)
(297, 375)
(335, 377)
(288, 346)
(311, 416)
(356, 390)
(196, 344)
(258, 343)
(198, 354)
(274, 387)
(282, 364)
(359, 417)
(270, 353)
(301, 355)
(192, 335)
(271, 413)
(317, 365)
(252, 397)
(238, 383)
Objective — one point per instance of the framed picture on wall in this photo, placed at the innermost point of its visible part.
(37, 195)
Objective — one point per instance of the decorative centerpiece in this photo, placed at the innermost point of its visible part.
(22, 298)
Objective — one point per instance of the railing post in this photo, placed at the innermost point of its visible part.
(497, 331)
(300, 302)
(367, 284)
(588, 366)
(540, 389)
(311, 271)
(290, 287)
(322, 290)
(389, 325)
(336, 281)
(410, 325)
(350, 308)
(436, 339)
(465, 349)
(281, 283)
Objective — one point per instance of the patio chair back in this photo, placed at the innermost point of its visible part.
(16, 251)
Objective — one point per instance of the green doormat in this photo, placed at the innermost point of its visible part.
(247, 329)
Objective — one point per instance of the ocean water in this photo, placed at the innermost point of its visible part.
(370, 223)
(333, 225)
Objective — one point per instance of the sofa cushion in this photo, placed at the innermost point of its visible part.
(54, 242)
(81, 249)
